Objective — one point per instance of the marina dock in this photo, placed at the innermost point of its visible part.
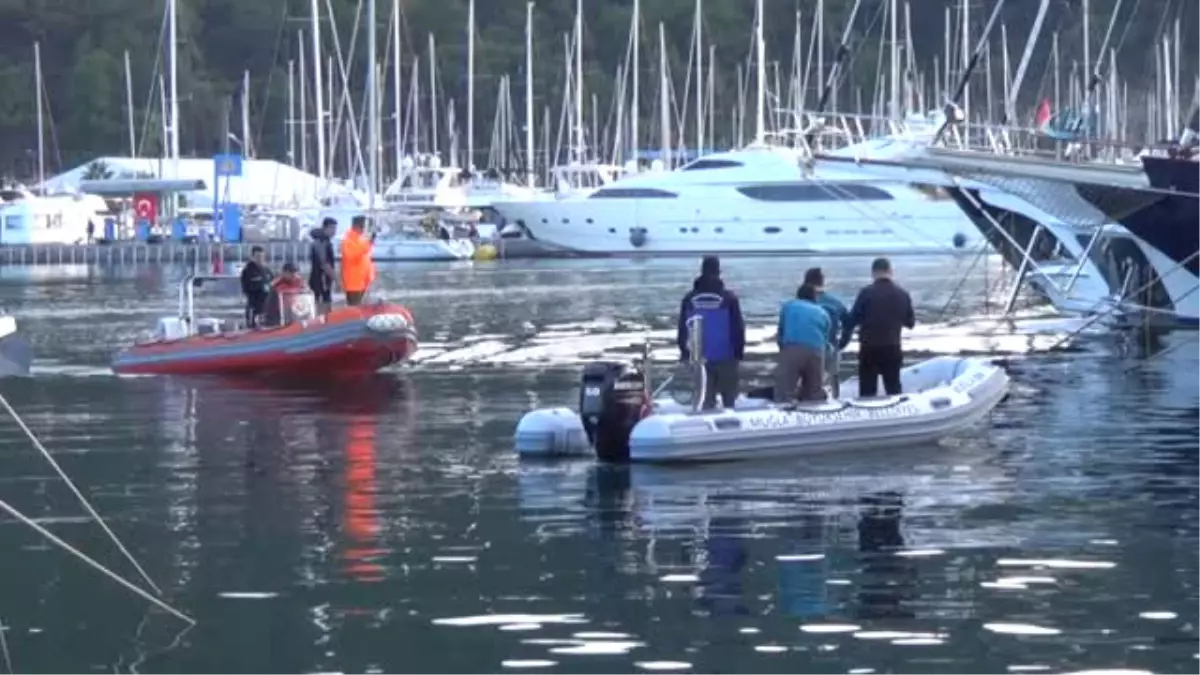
(140, 253)
(175, 252)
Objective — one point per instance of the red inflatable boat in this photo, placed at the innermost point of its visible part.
(347, 341)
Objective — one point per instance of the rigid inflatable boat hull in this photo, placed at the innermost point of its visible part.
(950, 394)
(349, 340)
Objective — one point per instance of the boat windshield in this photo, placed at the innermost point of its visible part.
(292, 306)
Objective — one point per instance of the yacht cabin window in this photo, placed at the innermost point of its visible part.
(813, 192)
(631, 193)
(702, 164)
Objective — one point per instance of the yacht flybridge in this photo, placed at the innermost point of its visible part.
(759, 200)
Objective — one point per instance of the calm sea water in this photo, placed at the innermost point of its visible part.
(389, 527)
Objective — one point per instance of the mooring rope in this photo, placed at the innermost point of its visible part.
(79, 495)
(5, 506)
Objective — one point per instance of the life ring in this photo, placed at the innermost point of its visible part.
(301, 308)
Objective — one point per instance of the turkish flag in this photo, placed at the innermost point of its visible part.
(145, 205)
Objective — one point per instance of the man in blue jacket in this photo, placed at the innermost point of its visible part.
(803, 339)
(723, 335)
(838, 314)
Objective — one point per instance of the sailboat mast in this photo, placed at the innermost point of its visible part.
(318, 93)
(761, 95)
(291, 113)
(372, 108)
(303, 104)
(129, 107)
(41, 133)
(664, 100)
(173, 64)
(699, 77)
(246, 114)
(579, 143)
(529, 176)
(433, 111)
(634, 110)
(470, 85)
(397, 131)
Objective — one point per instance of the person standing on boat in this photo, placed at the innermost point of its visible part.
(880, 312)
(803, 338)
(320, 257)
(837, 312)
(358, 270)
(256, 285)
(723, 336)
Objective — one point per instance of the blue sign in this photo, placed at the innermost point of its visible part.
(110, 229)
(178, 229)
(142, 230)
(231, 222)
(227, 165)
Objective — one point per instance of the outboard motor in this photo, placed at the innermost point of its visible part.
(610, 403)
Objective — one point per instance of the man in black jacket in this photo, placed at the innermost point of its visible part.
(256, 286)
(320, 256)
(880, 311)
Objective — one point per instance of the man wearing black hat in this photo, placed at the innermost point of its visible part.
(880, 311)
(320, 256)
(723, 332)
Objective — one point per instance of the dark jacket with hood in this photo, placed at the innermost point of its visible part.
(724, 332)
(320, 254)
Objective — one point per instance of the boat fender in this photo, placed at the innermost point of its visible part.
(387, 323)
(637, 237)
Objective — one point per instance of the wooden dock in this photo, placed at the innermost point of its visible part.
(138, 253)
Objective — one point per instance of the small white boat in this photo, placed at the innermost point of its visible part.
(947, 395)
(397, 249)
(16, 354)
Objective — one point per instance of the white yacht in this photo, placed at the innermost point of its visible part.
(760, 200)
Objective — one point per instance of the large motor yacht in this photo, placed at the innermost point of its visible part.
(759, 200)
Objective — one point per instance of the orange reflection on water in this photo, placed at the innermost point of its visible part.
(361, 519)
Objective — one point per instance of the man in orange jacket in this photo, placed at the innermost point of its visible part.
(358, 270)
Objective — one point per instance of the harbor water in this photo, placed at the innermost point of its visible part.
(388, 527)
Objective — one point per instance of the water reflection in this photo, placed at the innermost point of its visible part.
(887, 580)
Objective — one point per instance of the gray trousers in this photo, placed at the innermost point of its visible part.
(833, 363)
(722, 378)
(802, 366)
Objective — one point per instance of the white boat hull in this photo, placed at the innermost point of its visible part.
(741, 226)
(950, 394)
(407, 250)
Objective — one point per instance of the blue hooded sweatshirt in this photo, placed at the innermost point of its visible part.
(837, 315)
(724, 331)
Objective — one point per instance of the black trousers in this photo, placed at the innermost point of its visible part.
(721, 379)
(879, 361)
(255, 306)
(354, 297)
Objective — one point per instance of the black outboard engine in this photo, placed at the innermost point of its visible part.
(610, 402)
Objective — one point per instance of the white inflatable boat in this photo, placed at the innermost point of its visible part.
(616, 423)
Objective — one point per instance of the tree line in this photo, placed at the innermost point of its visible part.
(83, 46)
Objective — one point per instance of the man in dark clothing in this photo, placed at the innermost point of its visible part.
(723, 335)
(880, 311)
(320, 256)
(256, 286)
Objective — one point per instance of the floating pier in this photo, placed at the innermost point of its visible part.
(139, 253)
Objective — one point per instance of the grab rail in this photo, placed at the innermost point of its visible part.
(695, 327)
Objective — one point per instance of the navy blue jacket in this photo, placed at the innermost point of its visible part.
(724, 336)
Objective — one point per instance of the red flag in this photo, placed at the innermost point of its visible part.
(145, 206)
(1043, 114)
(218, 262)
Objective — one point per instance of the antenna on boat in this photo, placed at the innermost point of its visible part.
(87, 507)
